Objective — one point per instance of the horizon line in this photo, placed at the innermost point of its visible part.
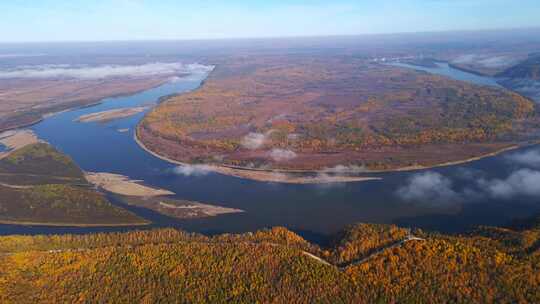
(274, 37)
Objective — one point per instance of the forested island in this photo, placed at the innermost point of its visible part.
(304, 114)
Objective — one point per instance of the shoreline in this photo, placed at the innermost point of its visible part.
(75, 225)
(77, 106)
(276, 176)
(24, 125)
(237, 171)
(471, 71)
(456, 162)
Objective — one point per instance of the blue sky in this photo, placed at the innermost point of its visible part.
(67, 20)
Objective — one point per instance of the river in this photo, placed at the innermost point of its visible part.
(444, 69)
(314, 211)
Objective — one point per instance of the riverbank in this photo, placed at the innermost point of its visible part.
(48, 111)
(452, 163)
(271, 176)
(468, 70)
(322, 176)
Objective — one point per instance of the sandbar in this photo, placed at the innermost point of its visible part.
(178, 208)
(122, 185)
(105, 116)
(210, 210)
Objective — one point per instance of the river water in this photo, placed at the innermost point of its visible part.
(444, 69)
(450, 199)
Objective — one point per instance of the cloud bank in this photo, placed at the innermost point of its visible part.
(18, 55)
(529, 158)
(192, 170)
(524, 182)
(527, 87)
(253, 141)
(485, 61)
(428, 187)
(104, 71)
(282, 154)
(346, 169)
(433, 187)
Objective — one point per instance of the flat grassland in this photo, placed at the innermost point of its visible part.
(339, 113)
